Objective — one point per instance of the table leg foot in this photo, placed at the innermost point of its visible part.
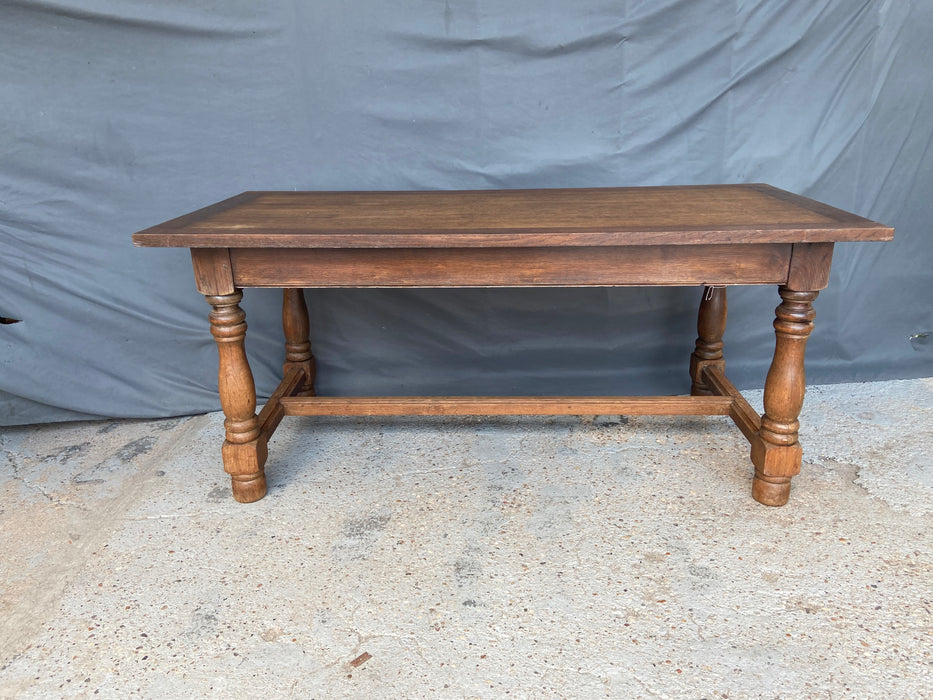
(711, 324)
(770, 492)
(776, 452)
(244, 463)
(244, 451)
(775, 465)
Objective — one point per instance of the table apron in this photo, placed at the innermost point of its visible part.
(512, 267)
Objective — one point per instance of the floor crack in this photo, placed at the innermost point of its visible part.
(17, 476)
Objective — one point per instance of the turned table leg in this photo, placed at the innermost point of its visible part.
(711, 324)
(244, 454)
(776, 453)
(297, 345)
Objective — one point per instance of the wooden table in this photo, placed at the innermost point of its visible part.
(714, 236)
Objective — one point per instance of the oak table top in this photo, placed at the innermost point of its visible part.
(711, 235)
(618, 216)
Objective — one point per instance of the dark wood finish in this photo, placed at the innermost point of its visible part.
(714, 235)
(507, 405)
(712, 214)
(244, 454)
(776, 453)
(711, 324)
(840, 216)
(809, 266)
(512, 267)
(297, 345)
(213, 273)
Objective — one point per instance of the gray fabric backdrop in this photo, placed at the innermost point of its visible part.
(116, 116)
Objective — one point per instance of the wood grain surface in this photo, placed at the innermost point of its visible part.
(572, 266)
(513, 218)
(506, 405)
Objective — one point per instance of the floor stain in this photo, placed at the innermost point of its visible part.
(134, 449)
(359, 536)
(218, 494)
(63, 454)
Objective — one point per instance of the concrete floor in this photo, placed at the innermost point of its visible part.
(525, 557)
